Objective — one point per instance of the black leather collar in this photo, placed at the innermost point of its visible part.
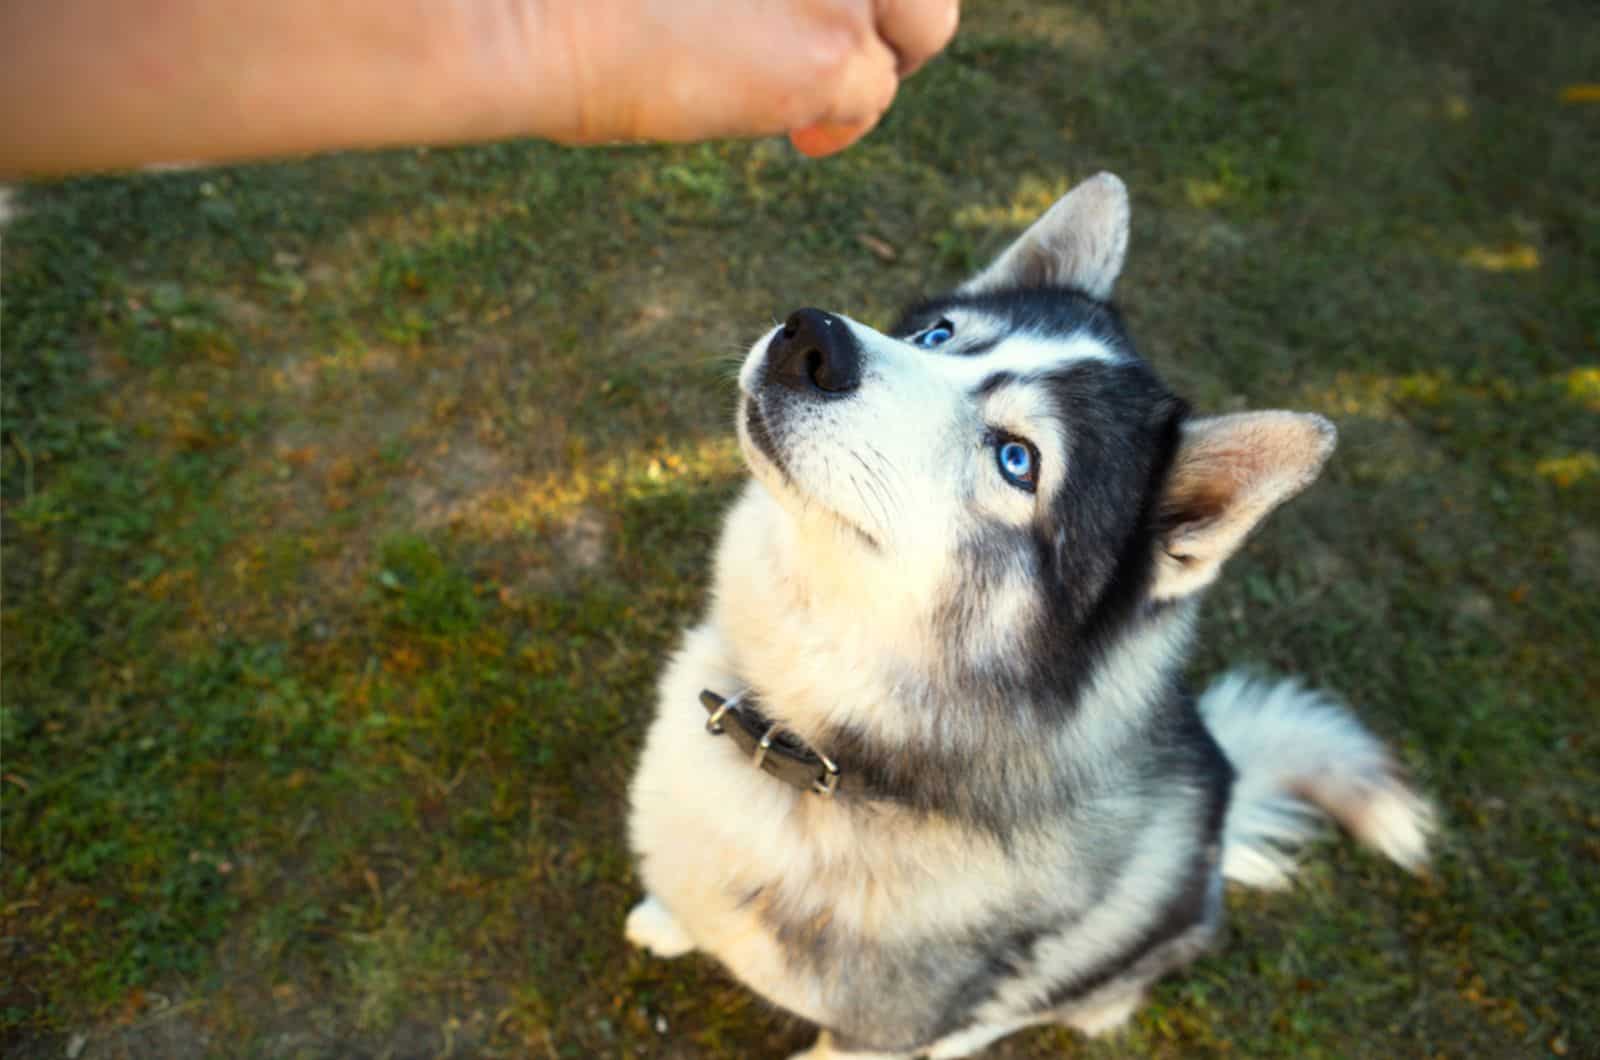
(772, 749)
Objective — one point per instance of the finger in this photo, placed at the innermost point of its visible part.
(917, 30)
(859, 91)
(826, 138)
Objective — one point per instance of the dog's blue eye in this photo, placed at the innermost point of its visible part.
(937, 335)
(1019, 463)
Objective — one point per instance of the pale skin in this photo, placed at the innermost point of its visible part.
(90, 85)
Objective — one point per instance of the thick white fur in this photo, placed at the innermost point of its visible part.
(1297, 751)
(707, 827)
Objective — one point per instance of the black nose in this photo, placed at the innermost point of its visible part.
(815, 351)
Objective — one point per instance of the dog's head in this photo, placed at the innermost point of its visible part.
(1002, 464)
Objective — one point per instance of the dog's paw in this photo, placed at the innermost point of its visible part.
(1105, 1018)
(825, 1049)
(651, 927)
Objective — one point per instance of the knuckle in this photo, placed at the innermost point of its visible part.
(949, 20)
(832, 50)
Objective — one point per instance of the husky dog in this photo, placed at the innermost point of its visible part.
(928, 773)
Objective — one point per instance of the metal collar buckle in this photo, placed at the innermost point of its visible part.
(828, 782)
(760, 753)
(714, 721)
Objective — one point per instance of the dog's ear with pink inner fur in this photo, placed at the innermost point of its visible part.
(1080, 242)
(1230, 472)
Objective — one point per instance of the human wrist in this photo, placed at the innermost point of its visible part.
(516, 66)
(479, 53)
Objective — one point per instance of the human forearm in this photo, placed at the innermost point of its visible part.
(105, 84)
(87, 84)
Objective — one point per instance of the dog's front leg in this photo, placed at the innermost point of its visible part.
(1104, 1017)
(828, 1047)
(651, 927)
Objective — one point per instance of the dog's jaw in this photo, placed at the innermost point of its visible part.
(756, 441)
(760, 447)
(763, 455)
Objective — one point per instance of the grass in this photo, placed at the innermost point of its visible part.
(351, 505)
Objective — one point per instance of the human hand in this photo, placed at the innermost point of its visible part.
(823, 71)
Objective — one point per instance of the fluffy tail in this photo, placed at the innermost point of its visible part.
(1298, 751)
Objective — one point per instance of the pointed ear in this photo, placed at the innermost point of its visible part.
(1229, 473)
(1079, 242)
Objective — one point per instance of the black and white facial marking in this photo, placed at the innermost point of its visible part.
(1107, 416)
(998, 454)
(963, 432)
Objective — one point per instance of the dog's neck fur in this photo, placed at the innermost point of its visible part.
(822, 640)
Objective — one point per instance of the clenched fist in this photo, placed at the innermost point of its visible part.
(823, 71)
